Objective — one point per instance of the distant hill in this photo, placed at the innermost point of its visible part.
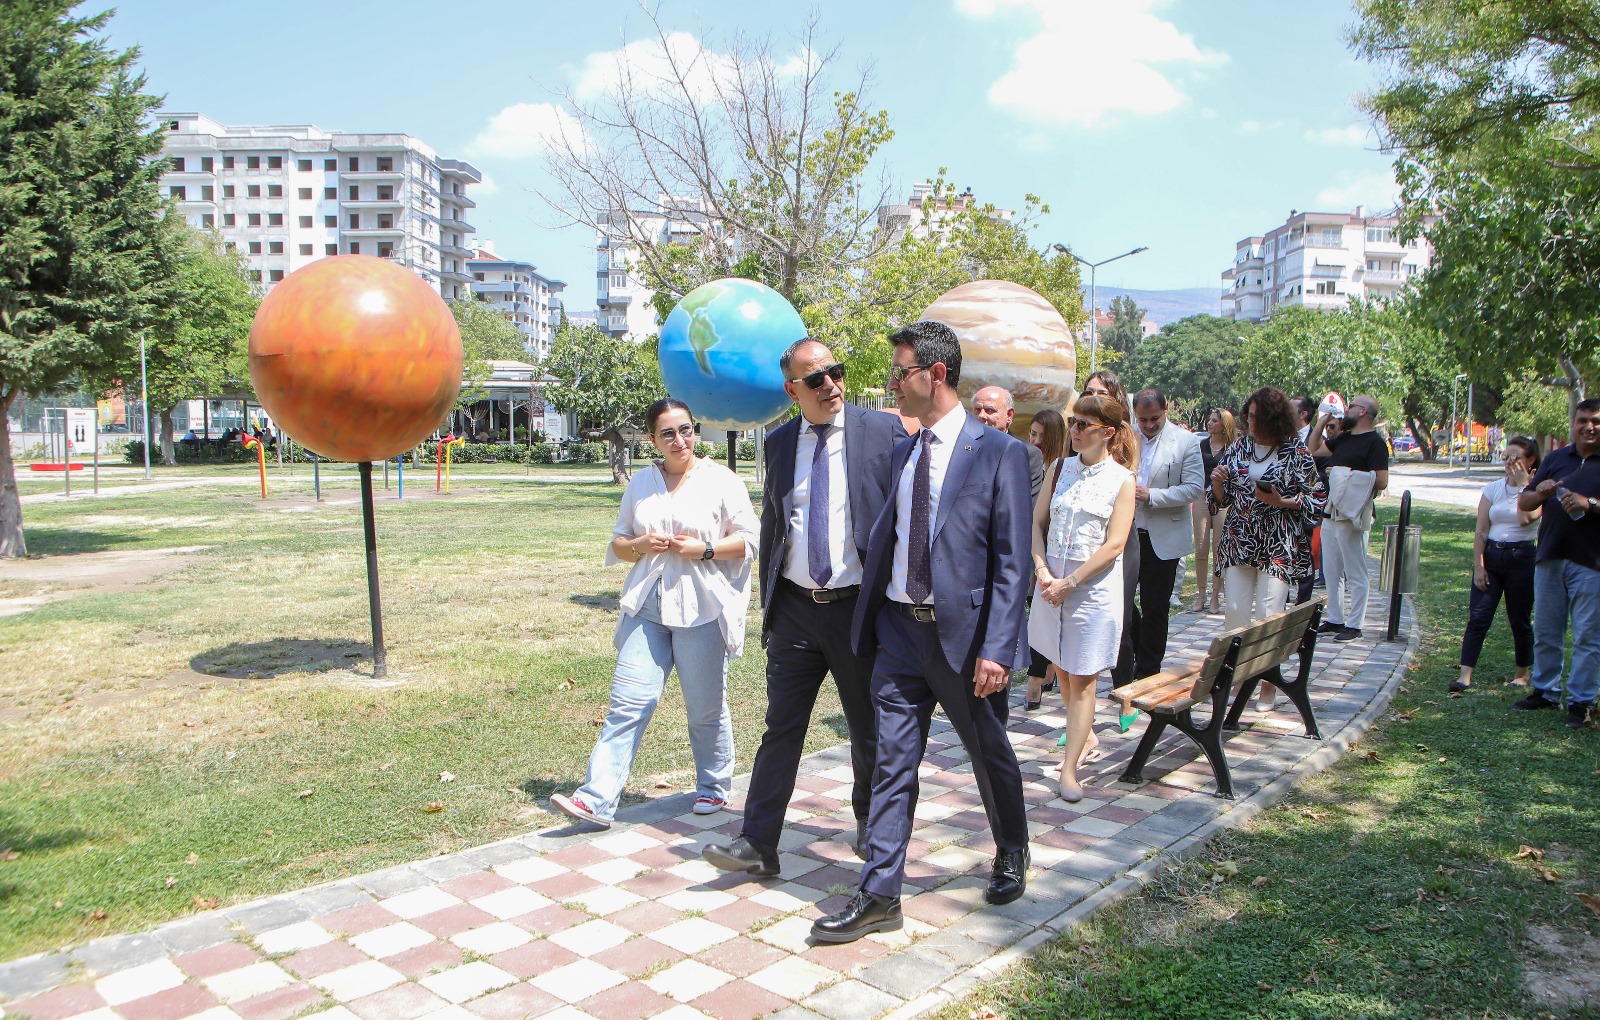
(1164, 306)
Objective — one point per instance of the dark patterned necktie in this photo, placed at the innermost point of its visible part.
(818, 559)
(919, 572)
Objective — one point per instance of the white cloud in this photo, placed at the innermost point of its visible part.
(1090, 61)
(1352, 135)
(487, 186)
(526, 129)
(649, 64)
(1375, 190)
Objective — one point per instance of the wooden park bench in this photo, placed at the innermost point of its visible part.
(1237, 661)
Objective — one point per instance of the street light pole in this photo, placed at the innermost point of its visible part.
(1450, 461)
(1094, 336)
(144, 401)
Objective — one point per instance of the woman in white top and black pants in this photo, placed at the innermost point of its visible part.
(687, 526)
(1502, 561)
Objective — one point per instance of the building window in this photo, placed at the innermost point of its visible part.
(207, 220)
(255, 276)
(227, 219)
(177, 164)
(303, 165)
(355, 247)
(355, 221)
(331, 194)
(207, 193)
(206, 164)
(355, 192)
(330, 164)
(385, 164)
(478, 277)
(385, 193)
(618, 281)
(274, 162)
(385, 251)
(227, 162)
(274, 247)
(275, 275)
(229, 246)
(254, 219)
(304, 194)
(385, 222)
(227, 191)
(255, 247)
(305, 249)
(179, 192)
(330, 249)
(331, 221)
(1380, 235)
(252, 190)
(355, 163)
(252, 162)
(274, 191)
(305, 222)
(275, 219)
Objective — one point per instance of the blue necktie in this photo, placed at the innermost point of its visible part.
(818, 559)
(919, 572)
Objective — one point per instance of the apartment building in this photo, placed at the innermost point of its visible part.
(287, 195)
(924, 214)
(1321, 260)
(1103, 321)
(518, 291)
(622, 299)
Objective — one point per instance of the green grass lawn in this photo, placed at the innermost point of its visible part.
(158, 742)
(1395, 884)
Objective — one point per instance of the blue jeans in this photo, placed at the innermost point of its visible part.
(647, 651)
(1563, 589)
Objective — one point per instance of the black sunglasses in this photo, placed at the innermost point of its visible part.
(834, 371)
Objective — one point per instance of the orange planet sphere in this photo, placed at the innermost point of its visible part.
(355, 358)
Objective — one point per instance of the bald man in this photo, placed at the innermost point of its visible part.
(993, 406)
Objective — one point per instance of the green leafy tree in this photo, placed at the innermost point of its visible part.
(1124, 334)
(1305, 352)
(1195, 360)
(486, 336)
(1532, 409)
(607, 383)
(79, 211)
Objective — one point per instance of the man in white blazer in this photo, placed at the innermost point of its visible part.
(1171, 477)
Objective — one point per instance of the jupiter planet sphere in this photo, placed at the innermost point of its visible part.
(1013, 338)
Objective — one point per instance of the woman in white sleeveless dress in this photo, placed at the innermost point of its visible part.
(1079, 532)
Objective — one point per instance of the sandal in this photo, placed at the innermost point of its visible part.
(1456, 686)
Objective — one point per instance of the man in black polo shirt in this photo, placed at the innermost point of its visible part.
(1566, 575)
(1360, 449)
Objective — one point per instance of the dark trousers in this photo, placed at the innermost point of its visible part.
(807, 641)
(909, 680)
(1510, 570)
(1302, 592)
(1122, 672)
(1156, 579)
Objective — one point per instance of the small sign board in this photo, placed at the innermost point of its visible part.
(81, 428)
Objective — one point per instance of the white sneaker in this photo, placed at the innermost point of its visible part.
(575, 808)
(707, 805)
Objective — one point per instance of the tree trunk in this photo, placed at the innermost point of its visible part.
(1424, 440)
(615, 450)
(12, 543)
(168, 456)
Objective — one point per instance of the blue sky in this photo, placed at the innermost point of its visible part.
(1183, 125)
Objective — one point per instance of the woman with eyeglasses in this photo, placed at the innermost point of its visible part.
(1048, 432)
(1220, 434)
(1268, 484)
(1502, 562)
(1081, 527)
(687, 527)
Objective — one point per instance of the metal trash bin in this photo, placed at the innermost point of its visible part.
(1406, 553)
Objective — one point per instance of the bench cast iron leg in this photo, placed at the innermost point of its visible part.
(1134, 773)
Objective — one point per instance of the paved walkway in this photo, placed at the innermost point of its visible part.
(631, 923)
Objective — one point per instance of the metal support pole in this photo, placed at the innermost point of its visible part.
(380, 665)
(1469, 431)
(316, 477)
(97, 449)
(66, 454)
(733, 451)
(144, 400)
(1394, 575)
(1094, 332)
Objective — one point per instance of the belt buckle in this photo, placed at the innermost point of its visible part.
(820, 596)
(922, 614)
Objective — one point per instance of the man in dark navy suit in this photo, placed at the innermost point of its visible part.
(941, 607)
(827, 479)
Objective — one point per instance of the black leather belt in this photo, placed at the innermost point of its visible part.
(1493, 544)
(921, 614)
(823, 595)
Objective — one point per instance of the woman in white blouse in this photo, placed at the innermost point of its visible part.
(1502, 561)
(1079, 531)
(687, 526)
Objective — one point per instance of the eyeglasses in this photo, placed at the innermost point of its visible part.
(834, 371)
(898, 373)
(1079, 424)
(684, 433)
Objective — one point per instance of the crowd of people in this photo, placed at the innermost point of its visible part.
(920, 569)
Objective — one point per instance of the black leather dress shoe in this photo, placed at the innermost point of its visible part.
(861, 838)
(1009, 879)
(743, 854)
(863, 915)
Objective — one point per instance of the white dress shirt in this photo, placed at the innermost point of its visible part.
(945, 436)
(710, 504)
(1147, 457)
(842, 552)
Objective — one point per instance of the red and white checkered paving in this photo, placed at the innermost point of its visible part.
(632, 923)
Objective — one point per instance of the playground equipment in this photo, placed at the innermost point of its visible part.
(250, 442)
(441, 467)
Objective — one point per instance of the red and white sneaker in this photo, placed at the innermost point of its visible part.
(576, 808)
(707, 805)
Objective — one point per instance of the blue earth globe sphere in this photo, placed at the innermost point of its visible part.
(719, 353)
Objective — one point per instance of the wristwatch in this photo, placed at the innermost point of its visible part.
(710, 552)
